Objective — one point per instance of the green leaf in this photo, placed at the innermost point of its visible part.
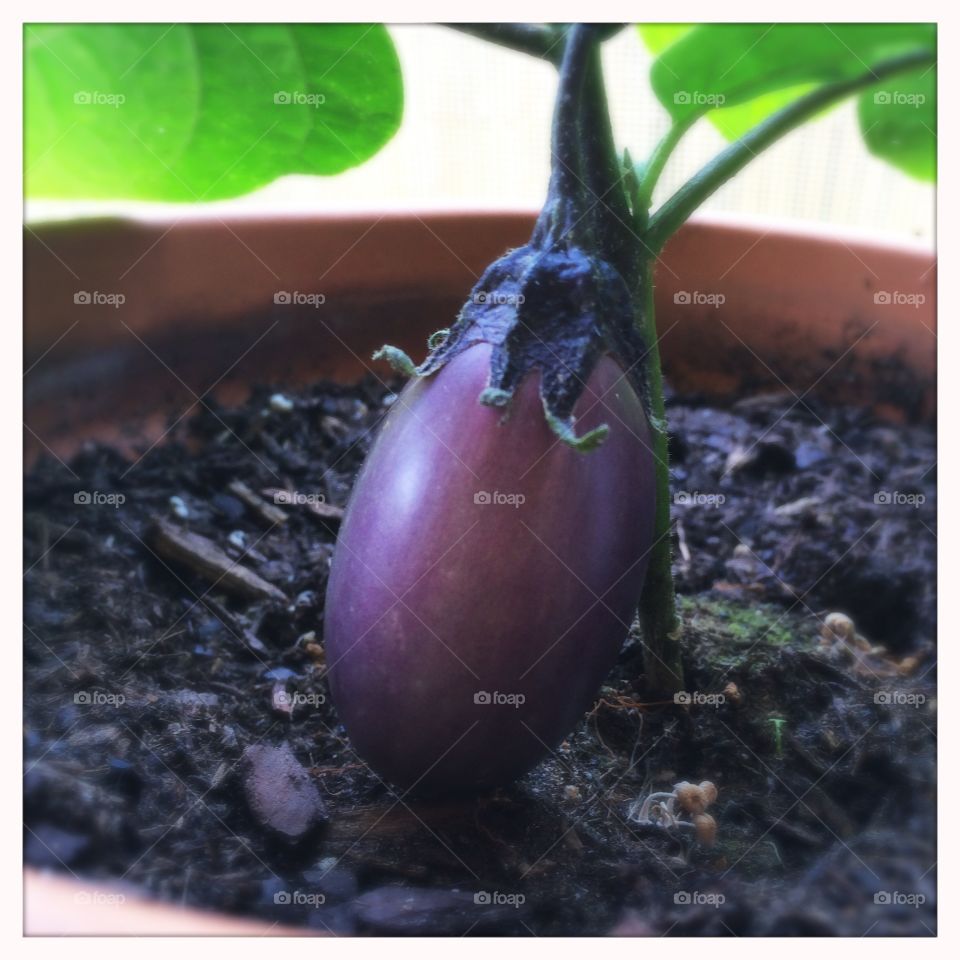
(190, 112)
(659, 36)
(898, 121)
(725, 64)
(734, 122)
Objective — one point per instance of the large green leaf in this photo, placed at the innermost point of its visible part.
(725, 64)
(659, 36)
(898, 121)
(201, 111)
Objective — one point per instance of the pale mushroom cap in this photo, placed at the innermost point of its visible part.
(709, 791)
(691, 797)
(839, 625)
(706, 828)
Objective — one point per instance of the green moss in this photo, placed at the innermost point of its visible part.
(728, 636)
(742, 623)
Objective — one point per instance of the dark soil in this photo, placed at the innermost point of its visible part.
(146, 682)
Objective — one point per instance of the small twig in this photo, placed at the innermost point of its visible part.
(267, 511)
(207, 560)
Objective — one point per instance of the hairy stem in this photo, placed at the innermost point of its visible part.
(732, 160)
(617, 235)
(658, 603)
(658, 160)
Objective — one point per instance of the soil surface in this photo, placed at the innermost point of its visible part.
(178, 736)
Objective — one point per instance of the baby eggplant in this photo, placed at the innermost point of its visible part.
(486, 574)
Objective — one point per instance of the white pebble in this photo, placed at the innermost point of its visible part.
(280, 404)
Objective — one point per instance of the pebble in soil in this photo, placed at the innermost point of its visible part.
(148, 681)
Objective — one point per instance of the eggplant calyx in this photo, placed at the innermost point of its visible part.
(398, 359)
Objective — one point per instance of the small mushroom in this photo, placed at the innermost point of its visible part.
(706, 829)
(691, 797)
(837, 626)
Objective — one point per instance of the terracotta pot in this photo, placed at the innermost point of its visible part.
(210, 307)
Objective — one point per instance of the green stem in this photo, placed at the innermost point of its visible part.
(658, 160)
(658, 604)
(732, 160)
(605, 176)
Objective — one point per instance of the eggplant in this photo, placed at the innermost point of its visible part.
(491, 557)
(485, 576)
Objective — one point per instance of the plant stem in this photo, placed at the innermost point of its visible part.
(732, 160)
(658, 160)
(605, 177)
(658, 603)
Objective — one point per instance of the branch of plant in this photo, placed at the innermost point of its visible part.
(658, 160)
(734, 158)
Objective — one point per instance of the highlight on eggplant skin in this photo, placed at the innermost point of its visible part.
(485, 576)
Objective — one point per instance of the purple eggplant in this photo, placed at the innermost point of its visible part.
(486, 575)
